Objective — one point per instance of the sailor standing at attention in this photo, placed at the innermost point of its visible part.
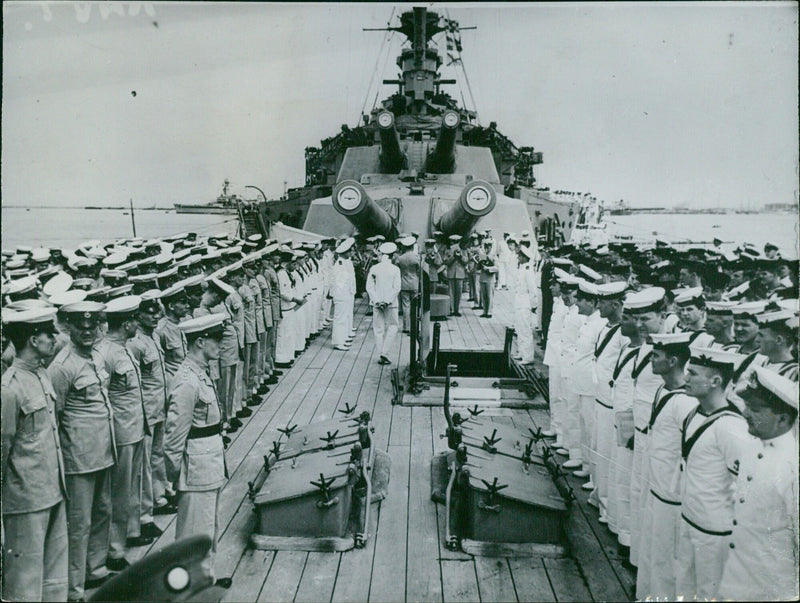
(713, 438)
(763, 558)
(343, 290)
(86, 425)
(526, 302)
(456, 262)
(176, 307)
(655, 579)
(383, 286)
(409, 264)
(34, 513)
(193, 446)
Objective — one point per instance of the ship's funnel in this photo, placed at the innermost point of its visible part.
(352, 201)
(443, 158)
(476, 200)
(392, 158)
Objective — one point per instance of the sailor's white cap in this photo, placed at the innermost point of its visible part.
(209, 325)
(115, 259)
(407, 241)
(749, 309)
(127, 304)
(612, 289)
(66, 298)
(587, 287)
(31, 321)
(771, 318)
(738, 290)
(792, 305)
(768, 385)
(96, 252)
(663, 340)
(688, 296)
(387, 248)
(590, 274)
(21, 285)
(58, 284)
(562, 261)
(345, 245)
(83, 309)
(646, 300)
(255, 238)
(220, 286)
(40, 254)
(722, 308)
(150, 295)
(455, 238)
(716, 358)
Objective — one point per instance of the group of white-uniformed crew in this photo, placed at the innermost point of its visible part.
(127, 366)
(125, 369)
(681, 414)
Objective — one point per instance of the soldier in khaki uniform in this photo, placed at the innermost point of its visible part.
(176, 307)
(193, 445)
(125, 396)
(86, 425)
(34, 513)
(146, 350)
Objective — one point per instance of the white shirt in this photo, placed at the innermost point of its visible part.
(645, 386)
(605, 362)
(573, 323)
(383, 282)
(584, 357)
(553, 349)
(664, 446)
(763, 560)
(343, 279)
(709, 471)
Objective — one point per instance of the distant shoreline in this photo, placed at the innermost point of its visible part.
(119, 207)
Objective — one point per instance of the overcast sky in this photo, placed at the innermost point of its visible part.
(657, 104)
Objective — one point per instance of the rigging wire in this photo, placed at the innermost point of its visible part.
(460, 61)
(384, 44)
(385, 63)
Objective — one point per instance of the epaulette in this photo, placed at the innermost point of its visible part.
(6, 380)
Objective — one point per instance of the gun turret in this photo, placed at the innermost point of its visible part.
(352, 201)
(476, 200)
(392, 158)
(443, 158)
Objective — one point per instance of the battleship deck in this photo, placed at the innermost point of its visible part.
(405, 559)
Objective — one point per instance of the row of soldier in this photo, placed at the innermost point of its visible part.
(673, 393)
(126, 367)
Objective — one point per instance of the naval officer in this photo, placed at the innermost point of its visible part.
(763, 557)
(34, 512)
(193, 447)
(383, 287)
(86, 425)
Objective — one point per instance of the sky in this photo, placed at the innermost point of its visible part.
(657, 104)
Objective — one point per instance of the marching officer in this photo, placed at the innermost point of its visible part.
(86, 425)
(34, 512)
(193, 446)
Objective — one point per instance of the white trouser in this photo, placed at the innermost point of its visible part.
(604, 440)
(524, 327)
(572, 418)
(658, 545)
(284, 342)
(384, 325)
(586, 410)
(639, 479)
(342, 317)
(556, 402)
(700, 562)
(619, 494)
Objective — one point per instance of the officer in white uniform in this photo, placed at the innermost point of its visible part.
(573, 323)
(713, 439)
(763, 559)
(383, 287)
(343, 290)
(526, 302)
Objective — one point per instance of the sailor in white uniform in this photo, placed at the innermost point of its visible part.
(573, 322)
(763, 558)
(526, 301)
(714, 436)
(383, 287)
(551, 355)
(655, 579)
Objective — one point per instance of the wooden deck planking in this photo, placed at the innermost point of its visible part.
(423, 575)
(405, 557)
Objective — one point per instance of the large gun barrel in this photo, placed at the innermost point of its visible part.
(392, 158)
(352, 201)
(476, 200)
(443, 158)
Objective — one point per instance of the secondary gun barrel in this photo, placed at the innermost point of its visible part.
(352, 201)
(476, 200)
(392, 158)
(443, 158)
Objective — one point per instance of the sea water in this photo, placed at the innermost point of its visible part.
(69, 228)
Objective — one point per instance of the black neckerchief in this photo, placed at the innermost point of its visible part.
(618, 368)
(660, 403)
(688, 444)
(606, 340)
